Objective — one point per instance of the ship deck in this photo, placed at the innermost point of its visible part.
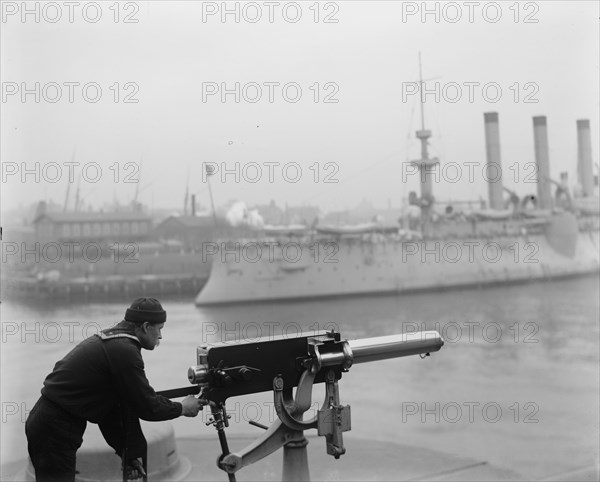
(365, 460)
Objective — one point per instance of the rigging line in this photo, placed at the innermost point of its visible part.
(383, 159)
(201, 191)
(320, 194)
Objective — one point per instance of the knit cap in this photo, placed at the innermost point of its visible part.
(146, 309)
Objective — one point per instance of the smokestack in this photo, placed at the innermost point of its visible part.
(584, 157)
(493, 166)
(540, 135)
(193, 205)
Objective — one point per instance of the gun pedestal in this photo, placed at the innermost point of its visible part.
(279, 364)
(295, 461)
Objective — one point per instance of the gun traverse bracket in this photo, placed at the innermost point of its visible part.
(279, 364)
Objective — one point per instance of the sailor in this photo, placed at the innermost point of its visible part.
(102, 380)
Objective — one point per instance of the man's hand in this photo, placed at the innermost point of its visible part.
(191, 406)
(134, 469)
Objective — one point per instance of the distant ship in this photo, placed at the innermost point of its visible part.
(537, 238)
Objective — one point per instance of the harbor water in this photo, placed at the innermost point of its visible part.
(516, 384)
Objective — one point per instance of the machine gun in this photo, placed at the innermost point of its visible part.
(279, 364)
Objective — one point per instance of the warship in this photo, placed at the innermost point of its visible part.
(543, 236)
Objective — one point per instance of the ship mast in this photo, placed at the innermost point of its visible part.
(425, 164)
(421, 82)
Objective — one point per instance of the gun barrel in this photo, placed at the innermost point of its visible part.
(394, 346)
(330, 353)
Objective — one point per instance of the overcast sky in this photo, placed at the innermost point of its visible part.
(542, 55)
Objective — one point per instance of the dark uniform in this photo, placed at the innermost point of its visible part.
(102, 380)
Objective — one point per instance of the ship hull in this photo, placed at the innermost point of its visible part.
(385, 265)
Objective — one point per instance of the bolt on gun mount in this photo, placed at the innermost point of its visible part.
(280, 363)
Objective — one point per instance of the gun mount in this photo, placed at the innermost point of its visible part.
(279, 364)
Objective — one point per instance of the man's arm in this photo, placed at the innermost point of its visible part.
(134, 387)
(112, 430)
(115, 434)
